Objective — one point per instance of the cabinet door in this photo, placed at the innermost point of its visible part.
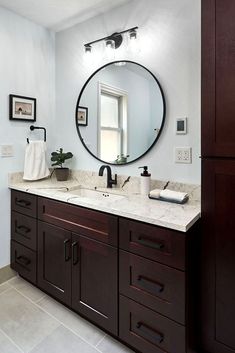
(218, 256)
(54, 261)
(94, 281)
(218, 78)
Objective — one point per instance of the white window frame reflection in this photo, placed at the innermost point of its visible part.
(122, 128)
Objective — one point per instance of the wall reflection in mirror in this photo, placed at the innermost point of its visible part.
(125, 111)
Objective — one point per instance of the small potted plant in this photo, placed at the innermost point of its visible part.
(59, 157)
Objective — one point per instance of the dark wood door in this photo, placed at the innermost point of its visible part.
(54, 261)
(218, 256)
(94, 281)
(218, 78)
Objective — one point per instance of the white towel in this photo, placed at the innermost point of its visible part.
(168, 195)
(173, 195)
(35, 166)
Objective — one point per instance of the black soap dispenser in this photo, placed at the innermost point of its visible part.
(145, 178)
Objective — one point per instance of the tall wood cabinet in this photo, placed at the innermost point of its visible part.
(218, 176)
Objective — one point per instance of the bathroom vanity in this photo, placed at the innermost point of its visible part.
(133, 279)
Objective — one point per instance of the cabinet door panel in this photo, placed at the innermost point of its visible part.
(156, 286)
(218, 290)
(94, 281)
(23, 202)
(148, 331)
(218, 78)
(24, 230)
(155, 243)
(54, 261)
(23, 261)
(93, 224)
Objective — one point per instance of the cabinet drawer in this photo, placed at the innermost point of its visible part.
(24, 230)
(93, 224)
(153, 242)
(148, 331)
(23, 261)
(24, 203)
(156, 286)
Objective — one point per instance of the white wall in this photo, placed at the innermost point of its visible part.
(170, 47)
(27, 69)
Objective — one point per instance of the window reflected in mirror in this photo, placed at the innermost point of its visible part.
(126, 112)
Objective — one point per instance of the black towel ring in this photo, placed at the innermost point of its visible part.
(32, 128)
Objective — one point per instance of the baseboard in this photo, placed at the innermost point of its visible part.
(6, 273)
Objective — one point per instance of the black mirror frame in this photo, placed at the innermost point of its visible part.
(163, 118)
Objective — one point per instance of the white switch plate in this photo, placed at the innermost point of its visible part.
(6, 150)
(183, 155)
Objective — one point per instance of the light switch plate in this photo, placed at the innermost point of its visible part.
(183, 155)
(6, 150)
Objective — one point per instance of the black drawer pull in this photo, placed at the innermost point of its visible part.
(75, 252)
(150, 333)
(150, 243)
(66, 250)
(23, 228)
(24, 203)
(23, 260)
(152, 286)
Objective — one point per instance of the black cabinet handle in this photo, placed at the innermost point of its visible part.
(22, 202)
(66, 250)
(23, 228)
(151, 286)
(150, 243)
(75, 247)
(23, 260)
(149, 333)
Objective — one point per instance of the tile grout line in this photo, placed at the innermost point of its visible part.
(39, 307)
(101, 340)
(5, 290)
(11, 340)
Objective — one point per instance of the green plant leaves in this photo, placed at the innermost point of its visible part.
(59, 157)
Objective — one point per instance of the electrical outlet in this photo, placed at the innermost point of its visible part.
(183, 155)
(6, 150)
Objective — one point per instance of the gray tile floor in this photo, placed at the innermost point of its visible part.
(32, 322)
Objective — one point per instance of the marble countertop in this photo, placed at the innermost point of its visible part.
(132, 205)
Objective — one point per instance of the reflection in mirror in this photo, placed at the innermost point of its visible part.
(126, 112)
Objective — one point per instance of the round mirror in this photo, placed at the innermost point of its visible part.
(120, 112)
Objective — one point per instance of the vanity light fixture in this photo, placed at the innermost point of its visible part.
(113, 41)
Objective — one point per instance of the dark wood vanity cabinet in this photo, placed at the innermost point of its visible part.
(24, 235)
(54, 261)
(128, 277)
(76, 268)
(95, 282)
(157, 303)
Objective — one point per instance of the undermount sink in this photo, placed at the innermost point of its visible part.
(95, 194)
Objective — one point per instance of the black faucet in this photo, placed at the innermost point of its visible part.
(110, 181)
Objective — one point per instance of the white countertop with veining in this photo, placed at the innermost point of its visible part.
(132, 205)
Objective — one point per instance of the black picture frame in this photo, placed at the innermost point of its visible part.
(82, 116)
(22, 108)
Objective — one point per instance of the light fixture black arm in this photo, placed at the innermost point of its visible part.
(116, 34)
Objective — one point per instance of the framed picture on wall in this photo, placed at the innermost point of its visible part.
(22, 108)
(82, 116)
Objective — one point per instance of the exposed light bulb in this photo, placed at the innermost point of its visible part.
(133, 41)
(110, 48)
(88, 49)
